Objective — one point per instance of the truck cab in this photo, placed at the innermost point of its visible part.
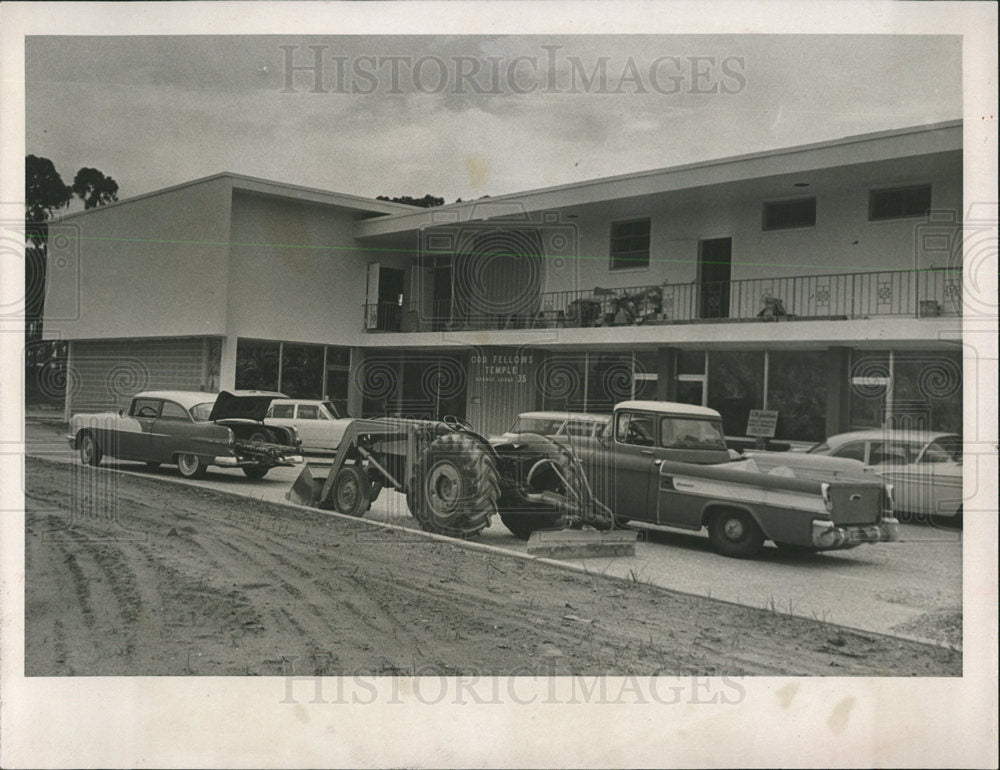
(643, 435)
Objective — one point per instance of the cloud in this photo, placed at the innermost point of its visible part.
(154, 111)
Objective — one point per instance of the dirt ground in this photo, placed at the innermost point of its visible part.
(135, 576)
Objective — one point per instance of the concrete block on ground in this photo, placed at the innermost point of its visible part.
(581, 544)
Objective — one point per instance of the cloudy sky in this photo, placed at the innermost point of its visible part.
(463, 116)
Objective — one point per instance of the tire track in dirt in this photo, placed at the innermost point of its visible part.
(220, 585)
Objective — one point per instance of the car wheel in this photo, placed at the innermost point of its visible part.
(255, 471)
(350, 491)
(90, 451)
(190, 466)
(734, 533)
(260, 436)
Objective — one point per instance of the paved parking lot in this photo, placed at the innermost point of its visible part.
(911, 588)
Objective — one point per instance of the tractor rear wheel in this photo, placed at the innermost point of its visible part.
(455, 487)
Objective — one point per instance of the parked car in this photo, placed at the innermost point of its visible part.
(925, 468)
(557, 424)
(189, 428)
(319, 424)
(668, 464)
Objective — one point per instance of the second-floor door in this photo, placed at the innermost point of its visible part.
(714, 274)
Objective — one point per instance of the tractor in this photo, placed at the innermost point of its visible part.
(453, 479)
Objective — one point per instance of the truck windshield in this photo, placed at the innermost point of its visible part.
(690, 433)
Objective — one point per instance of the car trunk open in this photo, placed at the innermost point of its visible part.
(237, 405)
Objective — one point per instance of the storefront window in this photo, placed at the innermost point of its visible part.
(378, 378)
(868, 387)
(927, 392)
(561, 380)
(609, 381)
(691, 362)
(417, 385)
(796, 390)
(338, 376)
(257, 365)
(735, 386)
(302, 371)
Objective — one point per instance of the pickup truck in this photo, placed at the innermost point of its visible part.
(667, 464)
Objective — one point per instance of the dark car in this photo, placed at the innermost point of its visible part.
(191, 429)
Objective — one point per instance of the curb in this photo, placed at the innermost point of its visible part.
(498, 550)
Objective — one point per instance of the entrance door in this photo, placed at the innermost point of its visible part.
(691, 390)
(714, 274)
(390, 299)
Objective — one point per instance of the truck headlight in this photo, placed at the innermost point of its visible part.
(824, 490)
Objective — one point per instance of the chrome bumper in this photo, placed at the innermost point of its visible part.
(228, 461)
(828, 536)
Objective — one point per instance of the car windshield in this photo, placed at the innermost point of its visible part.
(943, 450)
(583, 427)
(332, 410)
(541, 425)
(200, 412)
(894, 453)
(687, 433)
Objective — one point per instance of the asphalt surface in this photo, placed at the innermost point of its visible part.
(912, 588)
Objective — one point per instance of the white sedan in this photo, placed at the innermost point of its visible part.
(318, 423)
(925, 468)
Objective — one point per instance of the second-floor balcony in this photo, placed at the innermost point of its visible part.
(837, 296)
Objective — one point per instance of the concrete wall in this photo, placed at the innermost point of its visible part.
(502, 384)
(843, 240)
(105, 374)
(142, 268)
(296, 272)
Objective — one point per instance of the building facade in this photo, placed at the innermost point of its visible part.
(823, 282)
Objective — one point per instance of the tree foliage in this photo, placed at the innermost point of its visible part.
(44, 189)
(94, 189)
(427, 202)
(44, 194)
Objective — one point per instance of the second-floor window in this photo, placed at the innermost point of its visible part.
(899, 202)
(784, 215)
(630, 244)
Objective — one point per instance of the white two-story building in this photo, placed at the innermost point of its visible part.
(823, 282)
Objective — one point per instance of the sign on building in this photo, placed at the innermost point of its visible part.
(762, 423)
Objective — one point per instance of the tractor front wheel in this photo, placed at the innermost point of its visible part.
(350, 491)
(455, 487)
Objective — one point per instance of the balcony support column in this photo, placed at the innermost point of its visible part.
(666, 371)
(355, 397)
(838, 377)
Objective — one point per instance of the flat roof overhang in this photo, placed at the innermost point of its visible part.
(868, 333)
(765, 173)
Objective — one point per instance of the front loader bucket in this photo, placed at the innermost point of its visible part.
(308, 487)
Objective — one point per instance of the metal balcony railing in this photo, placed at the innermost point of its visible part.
(837, 296)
